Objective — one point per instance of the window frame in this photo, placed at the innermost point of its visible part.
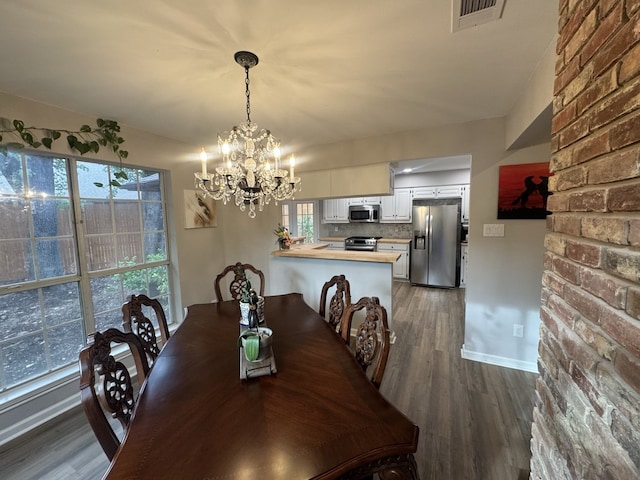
(292, 206)
(56, 376)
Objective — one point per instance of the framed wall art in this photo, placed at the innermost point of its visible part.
(523, 191)
(199, 211)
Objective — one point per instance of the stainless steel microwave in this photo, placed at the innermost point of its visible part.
(364, 213)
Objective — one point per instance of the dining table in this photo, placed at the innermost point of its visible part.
(314, 415)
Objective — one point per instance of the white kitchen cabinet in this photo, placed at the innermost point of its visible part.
(335, 210)
(449, 191)
(424, 192)
(465, 204)
(464, 262)
(401, 267)
(364, 201)
(396, 208)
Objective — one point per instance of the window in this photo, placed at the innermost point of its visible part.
(70, 254)
(301, 219)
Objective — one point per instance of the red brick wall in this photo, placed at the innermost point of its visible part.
(587, 413)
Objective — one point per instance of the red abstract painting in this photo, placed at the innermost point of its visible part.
(523, 191)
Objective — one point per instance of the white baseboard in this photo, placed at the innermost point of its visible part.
(29, 423)
(499, 361)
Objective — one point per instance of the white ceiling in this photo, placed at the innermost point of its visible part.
(329, 70)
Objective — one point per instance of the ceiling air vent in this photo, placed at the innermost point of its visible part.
(469, 13)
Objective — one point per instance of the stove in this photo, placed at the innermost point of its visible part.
(364, 244)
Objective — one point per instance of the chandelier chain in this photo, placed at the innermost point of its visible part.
(247, 93)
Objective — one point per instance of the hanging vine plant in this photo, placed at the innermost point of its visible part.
(87, 139)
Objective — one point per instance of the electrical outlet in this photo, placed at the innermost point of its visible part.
(518, 330)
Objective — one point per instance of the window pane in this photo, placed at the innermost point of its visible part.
(150, 188)
(155, 247)
(106, 293)
(90, 173)
(134, 282)
(152, 216)
(41, 329)
(47, 176)
(16, 262)
(130, 250)
(14, 221)
(11, 176)
(158, 281)
(55, 258)
(127, 217)
(62, 304)
(96, 217)
(129, 187)
(65, 342)
(20, 314)
(23, 358)
(100, 252)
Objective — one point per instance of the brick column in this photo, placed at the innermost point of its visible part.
(587, 412)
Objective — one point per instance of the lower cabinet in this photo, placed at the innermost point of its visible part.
(335, 245)
(401, 267)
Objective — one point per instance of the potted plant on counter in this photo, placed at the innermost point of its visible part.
(284, 239)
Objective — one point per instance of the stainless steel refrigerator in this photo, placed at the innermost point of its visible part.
(435, 249)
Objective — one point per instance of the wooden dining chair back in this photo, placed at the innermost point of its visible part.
(372, 339)
(338, 303)
(134, 320)
(106, 387)
(240, 271)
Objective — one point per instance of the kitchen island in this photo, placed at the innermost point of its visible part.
(305, 269)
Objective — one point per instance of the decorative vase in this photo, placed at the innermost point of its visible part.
(284, 246)
(244, 313)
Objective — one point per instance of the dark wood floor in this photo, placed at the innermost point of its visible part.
(474, 419)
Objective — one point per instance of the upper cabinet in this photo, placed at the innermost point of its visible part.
(396, 208)
(364, 201)
(335, 210)
(344, 182)
(424, 192)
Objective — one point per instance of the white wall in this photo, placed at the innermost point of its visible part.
(504, 274)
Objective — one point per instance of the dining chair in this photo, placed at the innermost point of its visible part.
(340, 299)
(133, 313)
(106, 387)
(372, 339)
(237, 284)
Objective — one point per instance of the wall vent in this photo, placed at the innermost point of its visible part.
(469, 13)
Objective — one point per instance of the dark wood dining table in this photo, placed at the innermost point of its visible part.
(317, 417)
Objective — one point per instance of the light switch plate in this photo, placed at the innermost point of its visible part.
(493, 230)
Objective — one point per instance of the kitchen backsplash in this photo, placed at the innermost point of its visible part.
(388, 230)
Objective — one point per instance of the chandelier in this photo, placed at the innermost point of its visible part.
(251, 172)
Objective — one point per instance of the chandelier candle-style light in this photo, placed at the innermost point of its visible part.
(251, 172)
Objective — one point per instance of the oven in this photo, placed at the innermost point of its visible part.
(363, 244)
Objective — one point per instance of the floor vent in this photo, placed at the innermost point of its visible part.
(469, 13)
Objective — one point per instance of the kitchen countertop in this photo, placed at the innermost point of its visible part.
(320, 251)
(404, 241)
